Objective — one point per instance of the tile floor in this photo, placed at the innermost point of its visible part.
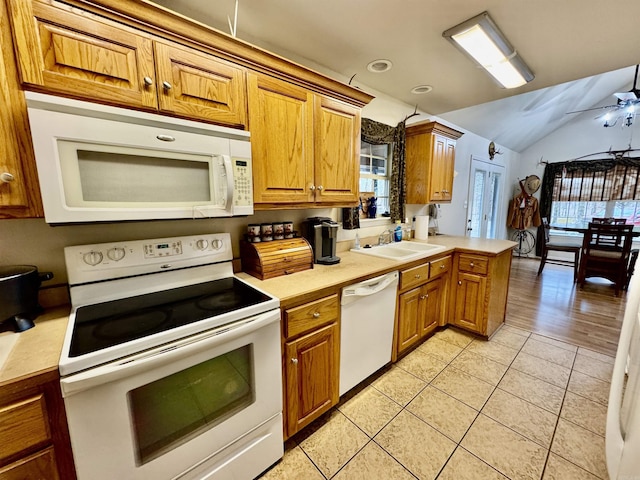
(521, 406)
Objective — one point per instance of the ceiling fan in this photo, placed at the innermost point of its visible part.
(625, 108)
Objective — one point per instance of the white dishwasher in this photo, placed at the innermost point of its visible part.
(366, 330)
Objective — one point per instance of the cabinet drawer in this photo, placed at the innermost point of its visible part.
(39, 465)
(414, 276)
(473, 263)
(310, 315)
(23, 425)
(440, 266)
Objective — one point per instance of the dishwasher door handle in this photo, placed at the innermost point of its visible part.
(370, 287)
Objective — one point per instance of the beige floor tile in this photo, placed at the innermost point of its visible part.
(519, 331)
(525, 418)
(559, 469)
(440, 349)
(464, 387)
(589, 387)
(372, 463)
(542, 369)
(593, 367)
(508, 338)
(293, 466)
(334, 443)
(584, 412)
(416, 445)
(399, 385)
(507, 451)
(443, 412)
(422, 365)
(580, 447)
(453, 335)
(493, 350)
(553, 341)
(480, 366)
(596, 355)
(533, 390)
(464, 466)
(550, 352)
(370, 410)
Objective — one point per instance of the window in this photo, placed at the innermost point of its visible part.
(375, 173)
(576, 213)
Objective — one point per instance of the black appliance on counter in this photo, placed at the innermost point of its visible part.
(19, 286)
(322, 234)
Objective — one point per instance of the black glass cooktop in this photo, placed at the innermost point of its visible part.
(112, 323)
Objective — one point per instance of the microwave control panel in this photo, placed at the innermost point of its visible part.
(243, 185)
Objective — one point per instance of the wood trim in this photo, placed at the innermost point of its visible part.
(433, 127)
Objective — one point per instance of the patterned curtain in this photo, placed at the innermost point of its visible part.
(378, 133)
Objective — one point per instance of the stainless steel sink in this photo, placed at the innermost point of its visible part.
(401, 251)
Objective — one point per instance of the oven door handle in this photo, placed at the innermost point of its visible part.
(165, 354)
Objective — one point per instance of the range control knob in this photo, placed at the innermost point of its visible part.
(216, 244)
(116, 253)
(202, 244)
(92, 258)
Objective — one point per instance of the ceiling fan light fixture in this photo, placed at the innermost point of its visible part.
(481, 40)
(421, 89)
(379, 66)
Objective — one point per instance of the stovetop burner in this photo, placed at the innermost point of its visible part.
(104, 325)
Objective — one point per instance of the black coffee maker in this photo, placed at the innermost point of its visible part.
(322, 234)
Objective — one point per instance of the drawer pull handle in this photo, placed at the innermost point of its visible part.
(471, 264)
(294, 361)
(442, 266)
(316, 315)
(148, 81)
(424, 297)
(417, 275)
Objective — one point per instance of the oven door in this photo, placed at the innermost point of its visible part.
(207, 406)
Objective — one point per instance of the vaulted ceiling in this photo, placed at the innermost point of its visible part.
(581, 52)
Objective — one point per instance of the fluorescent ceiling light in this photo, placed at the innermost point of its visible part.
(480, 38)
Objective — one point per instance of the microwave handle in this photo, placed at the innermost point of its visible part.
(228, 168)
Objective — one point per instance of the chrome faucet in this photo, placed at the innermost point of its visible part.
(381, 238)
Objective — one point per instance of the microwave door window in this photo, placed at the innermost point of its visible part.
(108, 177)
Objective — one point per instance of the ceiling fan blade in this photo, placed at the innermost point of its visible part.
(592, 109)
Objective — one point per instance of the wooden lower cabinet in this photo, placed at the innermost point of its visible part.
(421, 302)
(311, 361)
(479, 291)
(33, 428)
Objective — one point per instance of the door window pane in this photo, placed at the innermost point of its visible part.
(170, 411)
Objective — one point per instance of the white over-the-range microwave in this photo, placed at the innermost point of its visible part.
(100, 163)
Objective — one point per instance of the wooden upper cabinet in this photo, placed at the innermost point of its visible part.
(337, 151)
(281, 124)
(76, 54)
(19, 192)
(196, 85)
(430, 160)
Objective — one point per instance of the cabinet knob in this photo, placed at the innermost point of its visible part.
(294, 361)
(316, 315)
(424, 297)
(148, 81)
(320, 187)
(442, 266)
(6, 177)
(471, 264)
(417, 275)
(166, 85)
(312, 187)
(459, 282)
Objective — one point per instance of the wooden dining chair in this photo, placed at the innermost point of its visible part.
(549, 246)
(605, 253)
(609, 220)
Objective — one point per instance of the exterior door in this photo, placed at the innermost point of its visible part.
(486, 191)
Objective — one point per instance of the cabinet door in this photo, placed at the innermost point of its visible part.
(337, 151)
(409, 319)
(438, 189)
(432, 296)
(312, 376)
(196, 85)
(39, 465)
(468, 310)
(19, 192)
(281, 124)
(448, 169)
(81, 55)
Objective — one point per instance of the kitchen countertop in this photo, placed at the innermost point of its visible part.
(354, 267)
(37, 350)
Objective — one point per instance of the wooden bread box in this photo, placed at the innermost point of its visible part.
(279, 257)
